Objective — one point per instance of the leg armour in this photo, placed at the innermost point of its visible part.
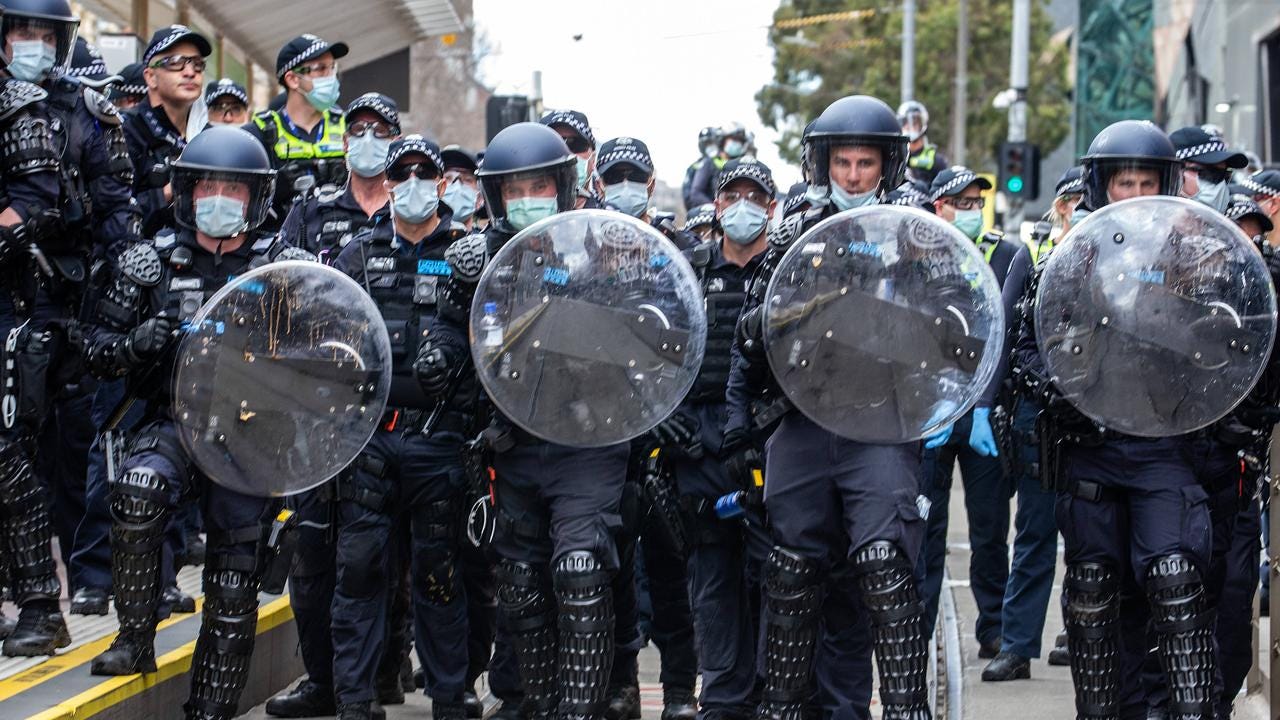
(529, 611)
(586, 634)
(1184, 633)
(220, 667)
(793, 599)
(138, 509)
(26, 535)
(897, 629)
(1092, 616)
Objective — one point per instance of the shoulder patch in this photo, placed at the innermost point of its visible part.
(468, 257)
(100, 107)
(17, 94)
(140, 263)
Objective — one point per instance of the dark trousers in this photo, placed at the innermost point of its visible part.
(311, 584)
(986, 500)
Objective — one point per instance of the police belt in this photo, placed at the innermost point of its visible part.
(413, 419)
(1090, 490)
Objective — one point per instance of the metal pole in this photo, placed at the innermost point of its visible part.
(960, 102)
(908, 50)
(535, 105)
(1018, 60)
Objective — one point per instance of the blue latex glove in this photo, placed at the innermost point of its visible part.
(939, 438)
(981, 438)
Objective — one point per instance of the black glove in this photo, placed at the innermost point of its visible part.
(750, 333)
(741, 457)
(432, 369)
(148, 339)
(679, 434)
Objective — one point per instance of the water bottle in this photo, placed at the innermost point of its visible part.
(490, 327)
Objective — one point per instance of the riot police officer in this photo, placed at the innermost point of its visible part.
(91, 218)
(708, 148)
(221, 188)
(732, 143)
(1211, 161)
(529, 174)
(305, 137)
(856, 154)
(1264, 186)
(413, 463)
(927, 159)
(1127, 506)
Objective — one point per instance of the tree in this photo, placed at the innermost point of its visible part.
(857, 49)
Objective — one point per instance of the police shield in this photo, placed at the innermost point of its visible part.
(883, 324)
(282, 378)
(1155, 316)
(587, 328)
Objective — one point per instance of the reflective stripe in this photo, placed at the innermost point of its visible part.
(289, 147)
(924, 159)
(1037, 249)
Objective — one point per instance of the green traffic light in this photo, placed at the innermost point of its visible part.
(1014, 184)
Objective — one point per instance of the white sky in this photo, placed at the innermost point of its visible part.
(657, 70)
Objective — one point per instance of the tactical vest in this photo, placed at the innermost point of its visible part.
(925, 159)
(1038, 249)
(724, 291)
(328, 227)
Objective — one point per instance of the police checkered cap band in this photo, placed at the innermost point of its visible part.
(378, 104)
(415, 144)
(1258, 187)
(1242, 205)
(130, 89)
(317, 44)
(700, 217)
(564, 117)
(963, 177)
(1073, 186)
(226, 86)
(626, 153)
(176, 32)
(754, 171)
(1202, 149)
(95, 68)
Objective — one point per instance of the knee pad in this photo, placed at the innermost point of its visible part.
(887, 581)
(791, 576)
(139, 498)
(231, 584)
(1093, 593)
(581, 578)
(522, 595)
(1174, 580)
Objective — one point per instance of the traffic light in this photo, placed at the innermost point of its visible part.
(1020, 170)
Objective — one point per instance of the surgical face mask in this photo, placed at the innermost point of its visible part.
(367, 155)
(523, 212)
(743, 222)
(1215, 195)
(324, 92)
(415, 200)
(735, 148)
(583, 175)
(32, 60)
(846, 201)
(969, 222)
(461, 198)
(816, 197)
(1077, 215)
(631, 198)
(710, 151)
(220, 217)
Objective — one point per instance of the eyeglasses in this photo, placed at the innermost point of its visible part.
(423, 171)
(465, 176)
(178, 63)
(322, 70)
(622, 173)
(967, 203)
(227, 108)
(755, 197)
(577, 144)
(381, 130)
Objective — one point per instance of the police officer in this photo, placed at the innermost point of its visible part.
(88, 67)
(130, 89)
(221, 188)
(227, 102)
(529, 174)
(1211, 161)
(956, 194)
(856, 154)
(732, 144)
(91, 219)
(305, 137)
(573, 127)
(1123, 502)
(627, 183)
(701, 221)
(927, 159)
(708, 148)
(462, 193)
(1264, 186)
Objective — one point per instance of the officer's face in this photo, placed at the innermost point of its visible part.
(461, 175)
(1131, 183)
(228, 110)
(367, 121)
(300, 78)
(577, 145)
(856, 168)
(30, 32)
(226, 188)
(180, 87)
(414, 165)
(744, 189)
(968, 197)
(541, 186)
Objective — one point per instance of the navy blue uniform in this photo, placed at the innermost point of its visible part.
(325, 221)
(153, 143)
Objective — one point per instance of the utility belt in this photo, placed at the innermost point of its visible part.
(1057, 430)
(414, 420)
(38, 367)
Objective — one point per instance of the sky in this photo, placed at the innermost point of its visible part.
(656, 70)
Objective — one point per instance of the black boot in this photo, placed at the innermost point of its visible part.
(132, 652)
(91, 601)
(7, 624)
(306, 700)
(40, 631)
(361, 711)
(678, 705)
(448, 711)
(1007, 666)
(624, 703)
(1060, 656)
(178, 601)
(471, 701)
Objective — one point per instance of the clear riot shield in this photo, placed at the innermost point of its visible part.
(883, 324)
(282, 378)
(587, 328)
(1155, 316)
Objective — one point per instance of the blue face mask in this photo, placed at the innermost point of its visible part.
(367, 155)
(845, 201)
(969, 222)
(523, 212)
(629, 197)
(743, 222)
(1215, 195)
(415, 200)
(461, 198)
(324, 92)
(32, 60)
(583, 175)
(1077, 215)
(220, 217)
(735, 148)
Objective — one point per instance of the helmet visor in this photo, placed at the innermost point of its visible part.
(59, 36)
(192, 185)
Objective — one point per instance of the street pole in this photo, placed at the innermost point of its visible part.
(1018, 60)
(960, 103)
(908, 50)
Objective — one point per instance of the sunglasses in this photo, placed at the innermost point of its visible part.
(1211, 174)
(423, 171)
(577, 144)
(178, 63)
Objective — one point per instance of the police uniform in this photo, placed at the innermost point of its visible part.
(925, 163)
(326, 220)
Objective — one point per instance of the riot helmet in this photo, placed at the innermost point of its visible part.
(527, 151)
(734, 140)
(1130, 151)
(913, 118)
(38, 38)
(709, 140)
(231, 172)
(856, 120)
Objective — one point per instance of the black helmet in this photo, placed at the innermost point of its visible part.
(709, 135)
(1129, 144)
(527, 149)
(51, 16)
(856, 120)
(229, 154)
